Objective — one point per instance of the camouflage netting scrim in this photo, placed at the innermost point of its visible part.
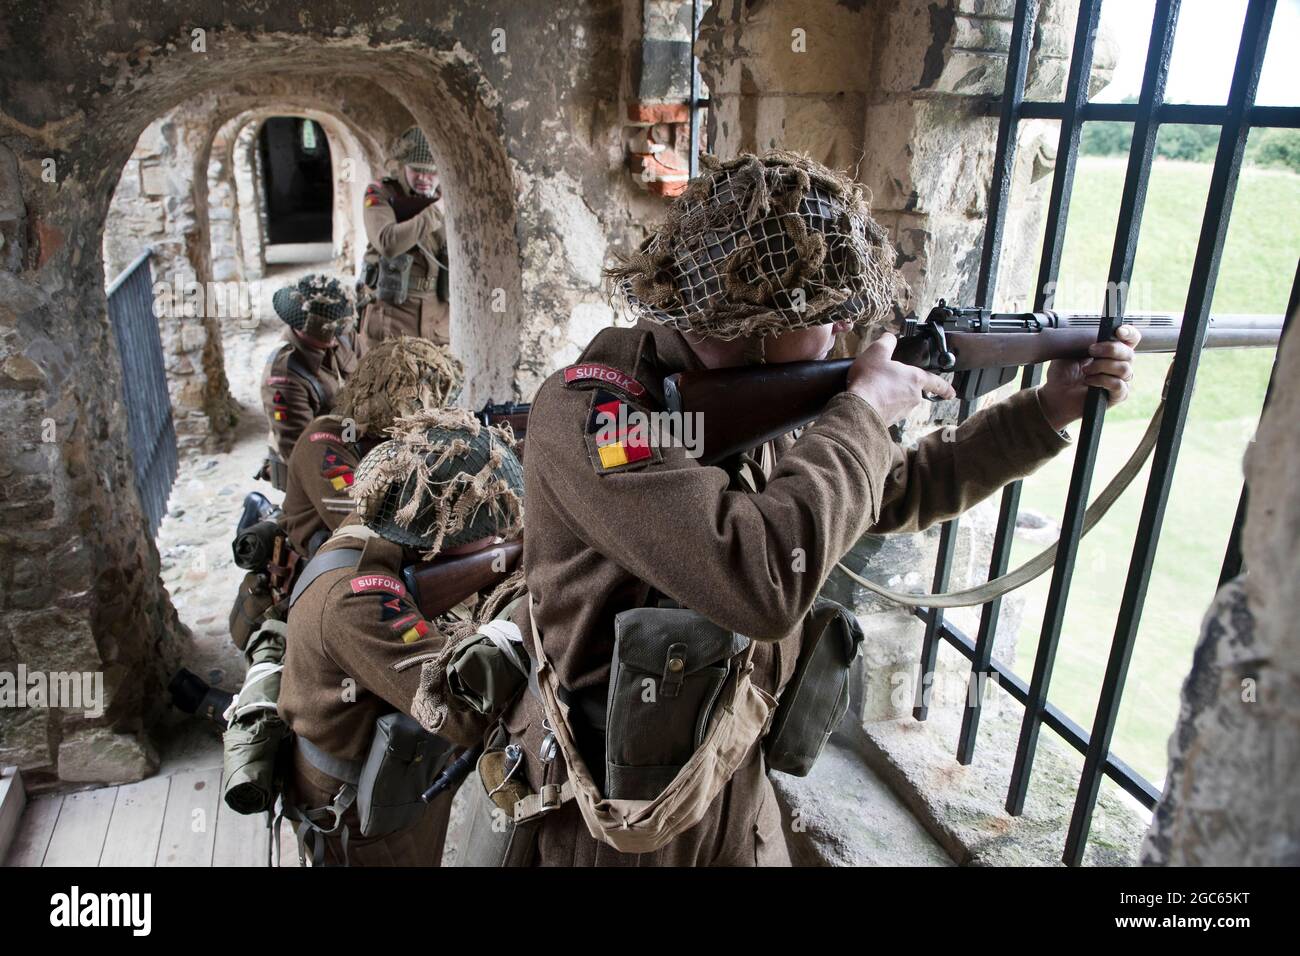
(398, 377)
(318, 305)
(445, 479)
(413, 149)
(763, 244)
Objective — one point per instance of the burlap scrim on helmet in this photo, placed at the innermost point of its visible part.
(764, 244)
(397, 378)
(444, 479)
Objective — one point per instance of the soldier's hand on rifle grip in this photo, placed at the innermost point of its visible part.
(1109, 366)
(892, 388)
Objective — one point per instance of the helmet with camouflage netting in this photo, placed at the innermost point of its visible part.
(399, 377)
(317, 305)
(444, 480)
(413, 150)
(762, 245)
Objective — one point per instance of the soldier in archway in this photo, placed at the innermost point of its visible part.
(406, 250)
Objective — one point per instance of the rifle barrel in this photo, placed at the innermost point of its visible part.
(744, 407)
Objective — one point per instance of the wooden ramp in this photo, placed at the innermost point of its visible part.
(176, 820)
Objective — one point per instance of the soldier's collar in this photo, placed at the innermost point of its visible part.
(311, 355)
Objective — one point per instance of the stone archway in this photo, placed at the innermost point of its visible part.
(530, 145)
(105, 610)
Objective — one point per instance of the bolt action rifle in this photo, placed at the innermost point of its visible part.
(439, 585)
(514, 414)
(983, 350)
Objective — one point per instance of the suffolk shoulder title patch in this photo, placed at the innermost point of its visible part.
(617, 434)
(365, 583)
(593, 373)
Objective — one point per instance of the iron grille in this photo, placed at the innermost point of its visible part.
(144, 387)
(1235, 120)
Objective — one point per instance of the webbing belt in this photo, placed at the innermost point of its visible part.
(1044, 559)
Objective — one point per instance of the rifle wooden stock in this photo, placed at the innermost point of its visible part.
(408, 207)
(744, 407)
(438, 586)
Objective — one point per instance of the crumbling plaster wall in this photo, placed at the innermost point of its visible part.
(529, 147)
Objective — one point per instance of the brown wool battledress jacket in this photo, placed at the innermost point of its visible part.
(424, 314)
(289, 400)
(353, 653)
(600, 533)
(316, 496)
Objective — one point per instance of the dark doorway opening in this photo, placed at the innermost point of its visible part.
(297, 180)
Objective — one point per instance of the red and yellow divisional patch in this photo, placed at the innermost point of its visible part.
(616, 441)
(336, 471)
(415, 633)
(279, 414)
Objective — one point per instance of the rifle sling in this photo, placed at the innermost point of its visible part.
(1036, 565)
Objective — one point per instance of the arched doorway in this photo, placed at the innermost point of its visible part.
(297, 194)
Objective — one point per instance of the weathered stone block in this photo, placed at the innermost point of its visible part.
(56, 640)
(25, 737)
(98, 755)
(153, 179)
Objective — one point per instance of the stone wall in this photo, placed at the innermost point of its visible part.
(1234, 756)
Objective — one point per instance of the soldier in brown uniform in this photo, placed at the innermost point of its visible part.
(407, 249)
(356, 642)
(763, 258)
(305, 373)
(397, 378)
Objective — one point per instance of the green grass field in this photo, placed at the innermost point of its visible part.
(1256, 273)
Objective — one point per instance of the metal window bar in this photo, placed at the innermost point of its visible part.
(990, 260)
(1236, 117)
(698, 100)
(1232, 555)
(1196, 316)
(145, 398)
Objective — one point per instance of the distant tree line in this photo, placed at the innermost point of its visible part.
(1197, 144)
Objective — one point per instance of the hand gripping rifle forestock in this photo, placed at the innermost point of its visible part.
(438, 586)
(746, 406)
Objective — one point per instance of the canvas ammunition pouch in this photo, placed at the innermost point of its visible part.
(385, 788)
(815, 700)
(402, 762)
(394, 279)
(700, 671)
(669, 667)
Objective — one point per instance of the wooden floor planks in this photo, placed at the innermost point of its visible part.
(34, 831)
(179, 820)
(190, 822)
(136, 826)
(78, 837)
